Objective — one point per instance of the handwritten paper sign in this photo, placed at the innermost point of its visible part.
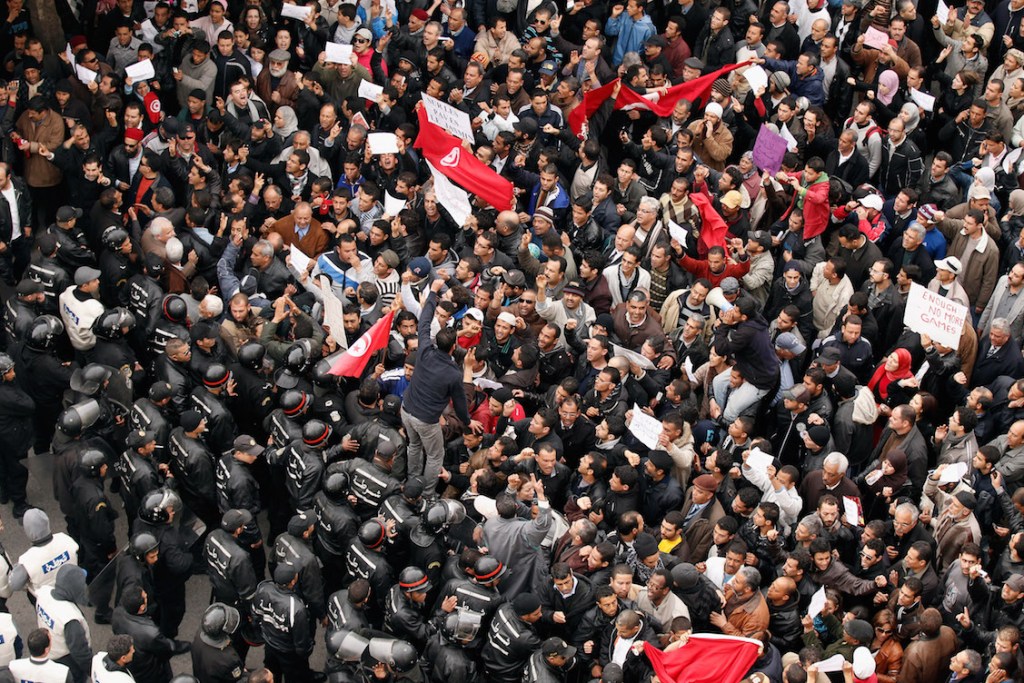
(954, 473)
(852, 510)
(875, 38)
(370, 90)
(931, 313)
(453, 120)
(645, 428)
(769, 149)
(334, 313)
(757, 77)
(632, 357)
(140, 71)
(817, 603)
(337, 53)
(922, 99)
(453, 198)
(295, 11)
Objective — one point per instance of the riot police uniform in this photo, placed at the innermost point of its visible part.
(144, 298)
(195, 475)
(479, 596)
(256, 394)
(450, 661)
(304, 464)
(220, 423)
(174, 567)
(238, 489)
(19, 314)
(369, 482)
(116, 267)
(214, 660)
(232, 577)
(364, 559)
(111, 347)
(137, 474)
(153, 650)
(43, 376)
(48, 272)
(284, 426)
(510, 642)
(178, 377)
(146, 414)
(291, 549)
(92, 513)
(16, 410)
(404, 617)
(342, 614)
(336, 523)
(170, 325)
(285, 626)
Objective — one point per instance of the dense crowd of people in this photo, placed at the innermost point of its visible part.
(663, 392)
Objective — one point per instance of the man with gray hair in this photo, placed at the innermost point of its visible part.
(746, 611)
(1006, 303)
(156, 236)
(831, 479)
(998, 355)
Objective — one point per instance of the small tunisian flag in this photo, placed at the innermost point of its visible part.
(706, 658)
(713, 228)
(351, 363)
(446, 153)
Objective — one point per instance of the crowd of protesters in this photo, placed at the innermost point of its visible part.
(666, 392)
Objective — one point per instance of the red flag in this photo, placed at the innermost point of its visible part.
(446, 153)
(691, 90)
(713, 227)
(592, 101)
(706, 658)
(351, 363)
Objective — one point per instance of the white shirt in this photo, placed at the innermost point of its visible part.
(12, 202)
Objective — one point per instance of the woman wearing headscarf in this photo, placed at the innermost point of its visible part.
(1013, 220)
(884, 484)
(893, 382)
(286, 123)
(986, 177)
(910, 114)
(887, 97)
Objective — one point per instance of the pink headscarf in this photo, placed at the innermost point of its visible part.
(891, 82)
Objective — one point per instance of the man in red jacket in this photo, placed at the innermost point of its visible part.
(717, 267)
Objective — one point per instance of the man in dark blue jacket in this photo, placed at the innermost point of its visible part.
(743, 336)
(436, 381)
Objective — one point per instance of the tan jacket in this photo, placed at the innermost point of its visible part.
(49, 132)
(714, 150)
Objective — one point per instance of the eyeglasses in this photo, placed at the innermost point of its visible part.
(883, 631)
(528, 301)
(361, 40)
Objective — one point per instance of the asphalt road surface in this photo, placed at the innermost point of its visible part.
(40, 495)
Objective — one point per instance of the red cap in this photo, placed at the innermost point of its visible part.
(152, 103)
(421, 14)
(135, 134)
(76, 41)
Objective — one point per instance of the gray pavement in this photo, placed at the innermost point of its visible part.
(40, 495)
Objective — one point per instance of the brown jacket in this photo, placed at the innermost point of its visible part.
(698, 534)
(982, 271)
(889, 661)
(927, 661)
(49, 132)
(287, 88)
(312, 245)
(748, 619)
(713, 150)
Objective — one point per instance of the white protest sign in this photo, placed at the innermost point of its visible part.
(370, 90)
(382, 143)
(393, 205)
(817, 603)
(337, 53)
(832, 664)
(922, 99)
(678, 233)
(875, 38)
(688, 367)
(759, 460)
(645, 428)
(757, 77)
(300, 262)
(485, 383)
(954, 473)
(453, 198)
(931, 313)
(334, 313)
(295, 11)
(942, 12)
(69, 53)
(87, 76)
(851, 508)
(633, 357)
(453, 120)
(141, 71)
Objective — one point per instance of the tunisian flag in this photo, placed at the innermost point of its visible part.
(592, 101)
(446, 153)
(706, 658)
(713, 227)
(352, 362)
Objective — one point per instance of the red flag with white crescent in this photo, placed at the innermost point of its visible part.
(706, 658)
(352, 362)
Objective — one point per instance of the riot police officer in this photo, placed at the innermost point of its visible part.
(237, 488)
(136, 472)
(512, 638)
(285, 625)
(387, 658)
(171, 367)
(44, 268)
(365, 559)
(478, 595)
(152, 414)
(144, 297)
(381, 428)
(256, 394)
(118, 262)
(112, 349)
(92, 513)
(370, 483)
(336, 523)
(170, 324)
(43, 376)
(297, 359)
(284, 425)
(206, 348)
(16, 410)
(232, 577)
(405, 612)
(213, 657)
(210, 400)
(133, 567)
(72, 439)
(293, 548)
(304, 463)
(193, 466)
(427, 539)
(349, 608)
(448, 652)
(345, 650)
(20, 310)
(157, 515)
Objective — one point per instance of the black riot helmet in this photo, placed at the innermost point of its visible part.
(158, 505)
(91, 463)
(372, 533)
(75, 419)
(336, 486)
(114, 237)
(142, 544)
(175, 310)
(44, 332)
(111, 325)
(251, 355)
